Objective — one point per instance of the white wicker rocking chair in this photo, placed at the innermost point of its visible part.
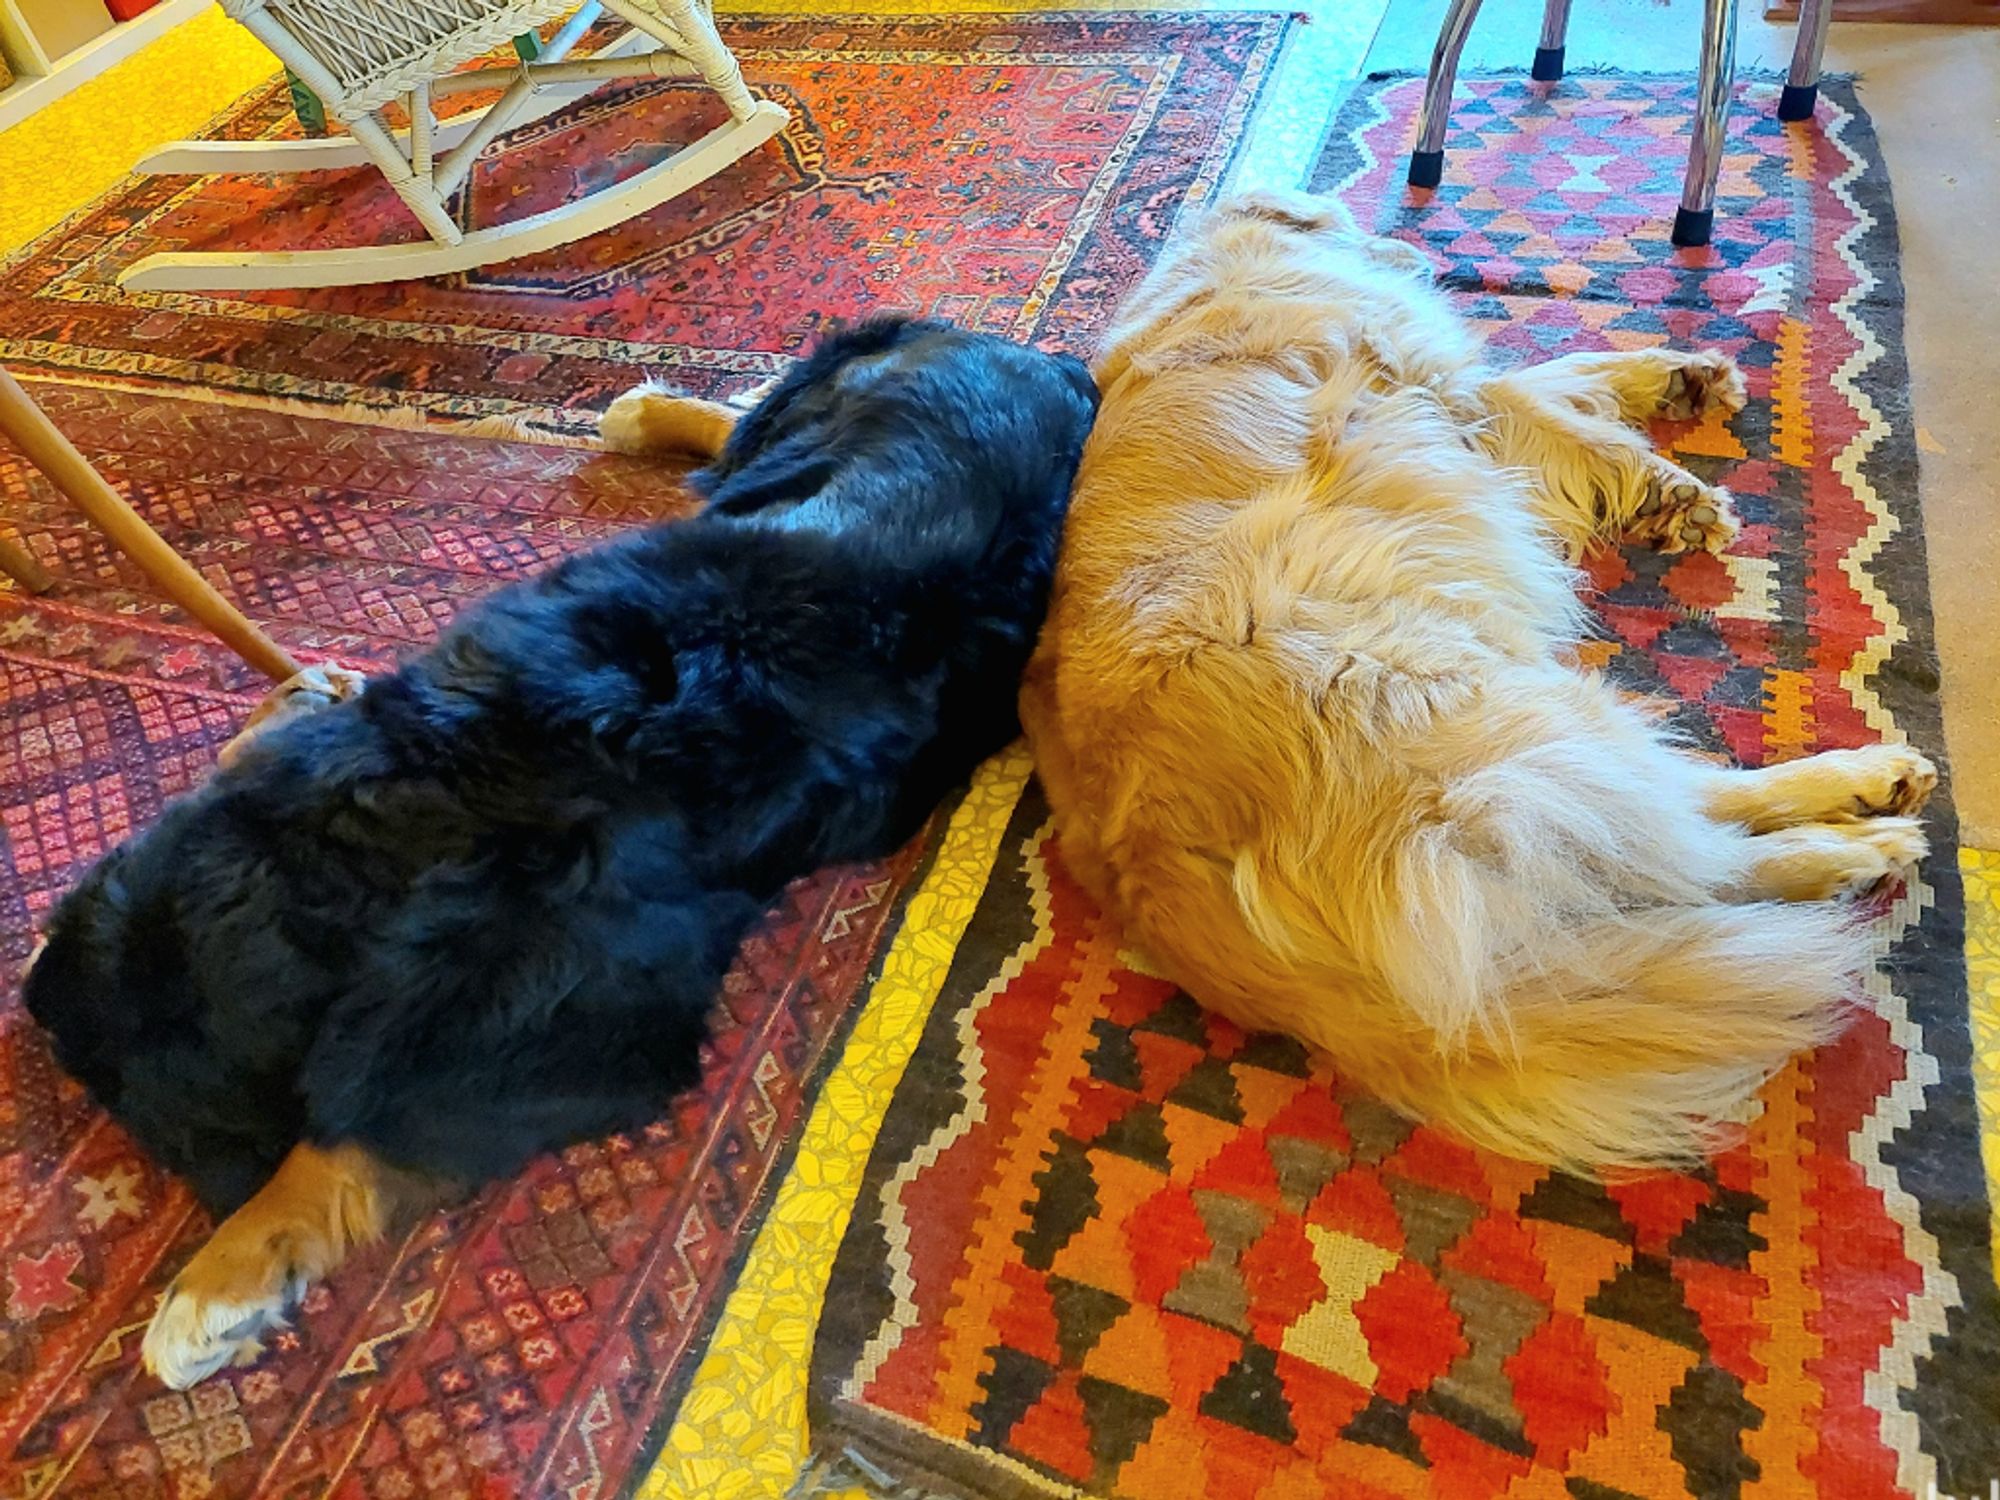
(358, 55)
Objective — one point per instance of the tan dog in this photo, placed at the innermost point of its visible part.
(1307, 712)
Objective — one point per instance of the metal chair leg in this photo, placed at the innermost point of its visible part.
(1802, 83)
(1549, 53)
(1427, 161)
(1711, 124)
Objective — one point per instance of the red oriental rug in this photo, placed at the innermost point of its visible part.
(1108, 1244)
(1010, 172)
(1014, 172)
(525, 1344)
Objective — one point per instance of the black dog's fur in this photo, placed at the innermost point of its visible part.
(482, 910)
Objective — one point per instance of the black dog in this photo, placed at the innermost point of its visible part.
(481, 910)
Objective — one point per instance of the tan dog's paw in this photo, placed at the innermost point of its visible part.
(1826, 861)
(1891, 779)
(1706, 380)
(217, 1309)
(1898, 844)
(1679, 512)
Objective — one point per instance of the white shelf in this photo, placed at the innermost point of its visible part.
(32, 91)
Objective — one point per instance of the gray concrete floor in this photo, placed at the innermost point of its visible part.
(1934, 94)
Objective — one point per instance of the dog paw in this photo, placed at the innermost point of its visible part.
(1891, 780)
(1705, 381)
(749, 399)
(1828, 861)
(1679, 512)
(1894, 847)
(314, 688)
(217, 1310)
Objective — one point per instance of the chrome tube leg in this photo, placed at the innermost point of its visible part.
(1549, 52)
(1801, 93)
(573, 31)
(1427, 161)
(1711, 123)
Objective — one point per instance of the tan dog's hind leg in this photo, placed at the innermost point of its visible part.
(1833, 787)
(300, 1225)
(649, 420)
(1567, 422)
(1819, 861)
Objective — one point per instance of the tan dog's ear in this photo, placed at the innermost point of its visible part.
(1302, 211)
(1399, 255)
(1310, 214)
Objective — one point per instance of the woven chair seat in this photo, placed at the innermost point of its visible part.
(377, 49)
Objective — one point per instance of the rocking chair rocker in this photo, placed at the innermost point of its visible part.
(358, 55)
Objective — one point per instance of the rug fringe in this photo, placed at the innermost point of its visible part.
(845, 1471)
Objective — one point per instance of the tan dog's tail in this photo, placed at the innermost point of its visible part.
(1646, 1047)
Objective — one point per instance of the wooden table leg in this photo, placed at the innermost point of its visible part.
(23, 569)
(24, 425)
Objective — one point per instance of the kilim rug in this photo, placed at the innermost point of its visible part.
(1109, 1244)
(1010, 172)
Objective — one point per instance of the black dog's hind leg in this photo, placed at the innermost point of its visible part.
(649, 420)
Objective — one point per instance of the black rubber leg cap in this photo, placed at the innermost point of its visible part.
(1426, 168)
(1691, 227)
(1797, 101)
(1548, 64)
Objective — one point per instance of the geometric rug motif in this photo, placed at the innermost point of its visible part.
(1110, 1244)
(1014, 173)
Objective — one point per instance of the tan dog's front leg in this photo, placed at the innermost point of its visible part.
(1568, 423)
(1645, 385)
(300, 1225)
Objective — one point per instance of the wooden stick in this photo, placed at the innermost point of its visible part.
(18, 565)
(24, 425)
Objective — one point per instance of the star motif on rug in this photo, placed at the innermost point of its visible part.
(41, 1283)
(106, 1198)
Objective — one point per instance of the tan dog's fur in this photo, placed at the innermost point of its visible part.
(1307, 712)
